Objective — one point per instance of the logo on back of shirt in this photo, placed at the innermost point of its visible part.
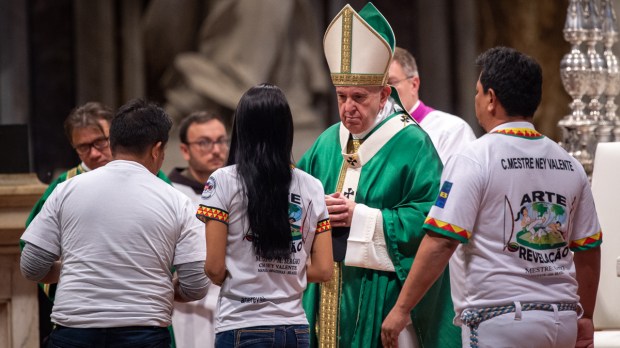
(538, 229)
(290, 265)
(295, 215)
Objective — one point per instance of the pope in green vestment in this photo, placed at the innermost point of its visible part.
(381, 174)
(402, 180)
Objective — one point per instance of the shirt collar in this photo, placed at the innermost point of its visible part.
(519, 124)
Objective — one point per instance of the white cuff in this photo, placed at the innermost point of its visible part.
(366, 245)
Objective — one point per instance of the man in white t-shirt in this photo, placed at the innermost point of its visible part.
(204, 145)
(111, 237)
(515, 218)
(448, 133)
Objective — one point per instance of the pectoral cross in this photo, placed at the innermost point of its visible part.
(405, 118)
(349, 193)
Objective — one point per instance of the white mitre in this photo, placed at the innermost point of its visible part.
(359, 47)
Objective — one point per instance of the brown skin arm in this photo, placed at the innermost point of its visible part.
(431, 260)
(588, 269)
(216, 234)
(321, 265)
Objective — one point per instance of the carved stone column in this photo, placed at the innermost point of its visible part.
(19, 316)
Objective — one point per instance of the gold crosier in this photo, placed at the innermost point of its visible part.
(328, 327)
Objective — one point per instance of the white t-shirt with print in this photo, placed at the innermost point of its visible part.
(259, 291)
(520, 205)
(119, 229)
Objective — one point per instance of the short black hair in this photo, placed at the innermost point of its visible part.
(199, 117)
(138, 125)
(515, 78)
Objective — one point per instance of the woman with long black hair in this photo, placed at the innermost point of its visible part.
(267, 229)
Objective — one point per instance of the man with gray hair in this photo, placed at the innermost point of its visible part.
(448, 133)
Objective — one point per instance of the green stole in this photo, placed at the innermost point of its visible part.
(402, 180)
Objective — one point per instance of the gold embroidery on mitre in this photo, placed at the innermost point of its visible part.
(345, 48)
(344, 79)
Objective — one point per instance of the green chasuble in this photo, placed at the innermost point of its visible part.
(402, 181)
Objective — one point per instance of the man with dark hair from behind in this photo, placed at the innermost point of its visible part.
(513, 284)
(204, 145)
(110, 238)
(88, 130)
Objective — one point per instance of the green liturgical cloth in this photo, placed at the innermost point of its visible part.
(402, 181)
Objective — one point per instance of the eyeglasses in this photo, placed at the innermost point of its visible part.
(394, 83)
(100, 144)
(207, 145)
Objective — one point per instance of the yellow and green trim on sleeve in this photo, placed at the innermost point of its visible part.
(587, 243)
(447, 229)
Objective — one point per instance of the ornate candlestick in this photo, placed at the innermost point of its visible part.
(574, 73)
(596, 86)
(609, 31)
(596, 64)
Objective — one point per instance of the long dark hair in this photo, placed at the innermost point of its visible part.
(261, 145)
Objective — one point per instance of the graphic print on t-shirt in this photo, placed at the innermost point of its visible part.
(291, 264)
(538, 228)
(209, 188)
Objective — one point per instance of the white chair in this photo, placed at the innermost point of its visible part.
(606, 191)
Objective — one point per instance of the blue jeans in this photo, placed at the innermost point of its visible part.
(129, 336)
(282, 336)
